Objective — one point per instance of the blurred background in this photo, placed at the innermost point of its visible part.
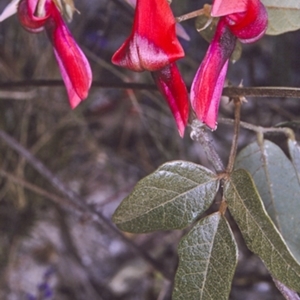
(101, 149)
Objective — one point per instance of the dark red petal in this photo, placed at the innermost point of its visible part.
(74, 66)
(153, 43)
(208, 83)
(173, 88)
(250, 25)
(27, 18)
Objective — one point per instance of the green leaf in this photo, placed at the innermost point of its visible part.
(294, 150)
(283, 16)
(278, 185)
(260, 234)
(207, 260)
(170, 198)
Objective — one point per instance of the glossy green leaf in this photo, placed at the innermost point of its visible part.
(284, 15)
(170, 198)
(259, 232)
(278, 185)
(294, 150)
(207, 260)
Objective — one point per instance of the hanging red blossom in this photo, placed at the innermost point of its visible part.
(153, 43)
(153, 46)
(247, 21)
(36, 15)
(173, 88)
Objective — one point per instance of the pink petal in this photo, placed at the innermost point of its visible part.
(181, 32)
(173, 88)
(212, 113)
(74, 99)
(9, 10)
(74, 66)
(132, 3)
(226, 7)
(152, 44)
(250, 25)
(27, 18)
(208, 83)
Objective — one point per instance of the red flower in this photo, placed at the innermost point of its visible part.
(153, 46)
(246, 20)
(153, 43)
(75, 69)
(173, 88)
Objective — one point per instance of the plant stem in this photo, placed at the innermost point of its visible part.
(234, 145)
(258, 129)
(190, 15)
(232, 92)
(278, 92)
(200, 134)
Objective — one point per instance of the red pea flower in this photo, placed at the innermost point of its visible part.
(173, 88)
(153, 46)
(36, 15)
(243, 19)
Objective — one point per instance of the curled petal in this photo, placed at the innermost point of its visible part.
(9, 10)
(208, 83)
(152, 44)
(74, 66)
(27, 15)
(173, 88)
(250, 25)
(226, 7)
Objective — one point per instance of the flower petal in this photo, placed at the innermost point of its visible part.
(9, 10)
(173, 88)
(74, 99)
(212, 113)
(251, 25)
(226, 7)
(74, 66)
(208, 83)
(152, 44)
(27, 17)
(181, 32)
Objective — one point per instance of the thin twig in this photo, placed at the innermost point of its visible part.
(200, 134)
(81, 206)
(237, 118)
(190, 15)
(277, 92)
(259, 129)
(58, 83)
(232, 92)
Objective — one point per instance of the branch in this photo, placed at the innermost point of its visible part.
(58, 83)
(279, 92)
(261, 130)
(232, 92)
(200, 134)
(237, 118)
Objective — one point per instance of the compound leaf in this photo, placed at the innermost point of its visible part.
(278, 185)
(259, 232)
(207, 260)
(294, 150)
(170, 198)
(283, 16)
